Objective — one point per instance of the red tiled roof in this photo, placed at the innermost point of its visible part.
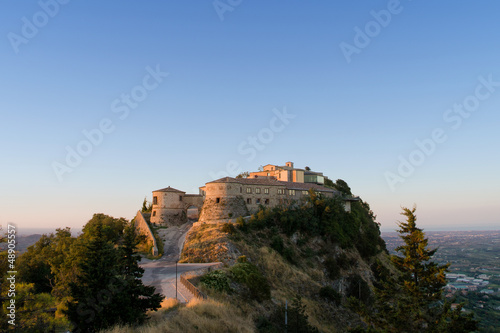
(274, 182)
(169, 189)
(307, 186)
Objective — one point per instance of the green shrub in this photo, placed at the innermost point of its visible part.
(228, 228)
(344, 262)
(358, 289)
(298, 320)
(250, 276)
(301, 241)
(289, 255)
(330, 294)
(332, 269)
(277, 244)
(308, 252)
(216, 280)
(241, 224)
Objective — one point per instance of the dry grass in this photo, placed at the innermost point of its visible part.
(169, 303)
(206, 243)
(197, 316)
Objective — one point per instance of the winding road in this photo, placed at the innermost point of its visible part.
(161, 273)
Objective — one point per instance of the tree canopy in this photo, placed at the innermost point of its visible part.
(94, 280)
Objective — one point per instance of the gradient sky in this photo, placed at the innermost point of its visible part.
(227, 72)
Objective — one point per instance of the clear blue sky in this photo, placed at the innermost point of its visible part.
(67, 69)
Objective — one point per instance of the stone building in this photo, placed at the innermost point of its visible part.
(232, 197)
(170, 206)
(229, 198)
(288, 173)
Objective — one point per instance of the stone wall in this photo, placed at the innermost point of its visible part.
(213, 210)
(142, 226)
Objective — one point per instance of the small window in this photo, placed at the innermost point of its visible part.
(154, 212)
(257, 190)
(291, 192)
(305, 192)
(249, 201)
(217, 200)
(180, 197)
(241, 189)
(266, 201)
(266, 191)
(249, 190)
(257, 201)
(155, 200)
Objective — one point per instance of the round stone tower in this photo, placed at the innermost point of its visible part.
(223, 200)
(168, 207)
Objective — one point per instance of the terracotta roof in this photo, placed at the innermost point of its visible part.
(307, 186)
(274, 182)
(169, 189)
(249, 181)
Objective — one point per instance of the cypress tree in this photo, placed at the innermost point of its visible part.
(423, 278)
(412, 301)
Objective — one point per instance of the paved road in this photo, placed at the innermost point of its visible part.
(161, 273)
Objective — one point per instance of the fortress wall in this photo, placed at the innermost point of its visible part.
(142, 226)
(227, 205)
(223, 190)
(168, 216)
(193, 200)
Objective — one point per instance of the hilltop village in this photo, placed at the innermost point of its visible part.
(227, 198)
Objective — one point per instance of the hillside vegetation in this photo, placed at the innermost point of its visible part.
(322, 268)
(314, 257)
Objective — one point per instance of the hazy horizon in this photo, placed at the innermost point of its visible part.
(76, 231)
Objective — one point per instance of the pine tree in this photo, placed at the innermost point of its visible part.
(93, 305)
(413, 301)
(108, 288)
(423, 278)
(136, 298)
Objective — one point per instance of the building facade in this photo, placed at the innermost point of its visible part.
(229, 198)
(288, 173)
